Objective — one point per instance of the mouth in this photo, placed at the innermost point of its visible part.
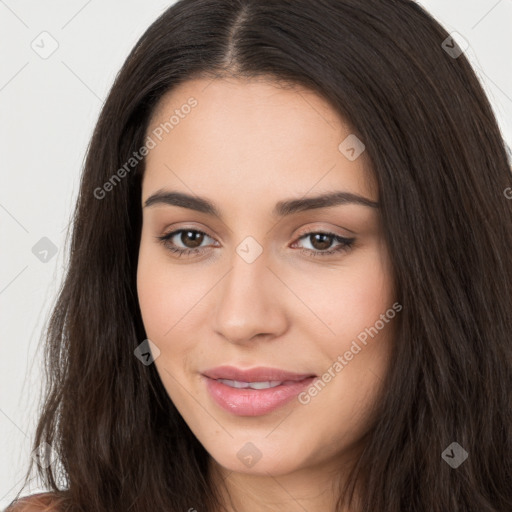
(237, 384)
(256, 391)
(258, 374)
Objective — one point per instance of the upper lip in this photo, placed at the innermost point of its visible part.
(258, 374)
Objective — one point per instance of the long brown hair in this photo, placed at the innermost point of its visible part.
(441, 165)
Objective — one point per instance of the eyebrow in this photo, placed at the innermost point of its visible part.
(281, 209)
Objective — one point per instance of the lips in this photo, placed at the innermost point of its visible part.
(226, 386)
(259, 374)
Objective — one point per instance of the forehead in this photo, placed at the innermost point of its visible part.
(251, 134)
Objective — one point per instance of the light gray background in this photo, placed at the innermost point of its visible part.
(48, 111)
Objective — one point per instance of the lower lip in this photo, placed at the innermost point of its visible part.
(254, 402)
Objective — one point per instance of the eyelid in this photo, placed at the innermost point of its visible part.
(319, 229)
(345, 243)
(303, 231)
(173, 228)
(173, 232)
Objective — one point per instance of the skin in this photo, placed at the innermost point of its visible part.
(246, 146)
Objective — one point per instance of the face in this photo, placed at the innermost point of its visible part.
(303, 288)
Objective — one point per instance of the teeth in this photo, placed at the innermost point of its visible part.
(253, 385)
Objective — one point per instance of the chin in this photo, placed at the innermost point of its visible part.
(258, 457)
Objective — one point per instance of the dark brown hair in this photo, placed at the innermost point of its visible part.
(441, 166)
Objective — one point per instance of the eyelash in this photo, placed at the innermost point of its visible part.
(345, 243)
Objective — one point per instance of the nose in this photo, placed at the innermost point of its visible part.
(251, 302)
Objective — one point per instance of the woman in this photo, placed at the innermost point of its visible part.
(289, 276)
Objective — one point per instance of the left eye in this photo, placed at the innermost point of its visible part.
(194, 238)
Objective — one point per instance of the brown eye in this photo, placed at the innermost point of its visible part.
(191, 239)
(184, 241)
(321, 243)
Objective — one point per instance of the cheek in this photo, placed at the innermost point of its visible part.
(160, 296)
(166, 293)
(368, 295)
(354, 297)
(154, 296)
(167, 309)
(347, 300)
(366, 323)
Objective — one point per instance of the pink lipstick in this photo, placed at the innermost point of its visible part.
(255, 391)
